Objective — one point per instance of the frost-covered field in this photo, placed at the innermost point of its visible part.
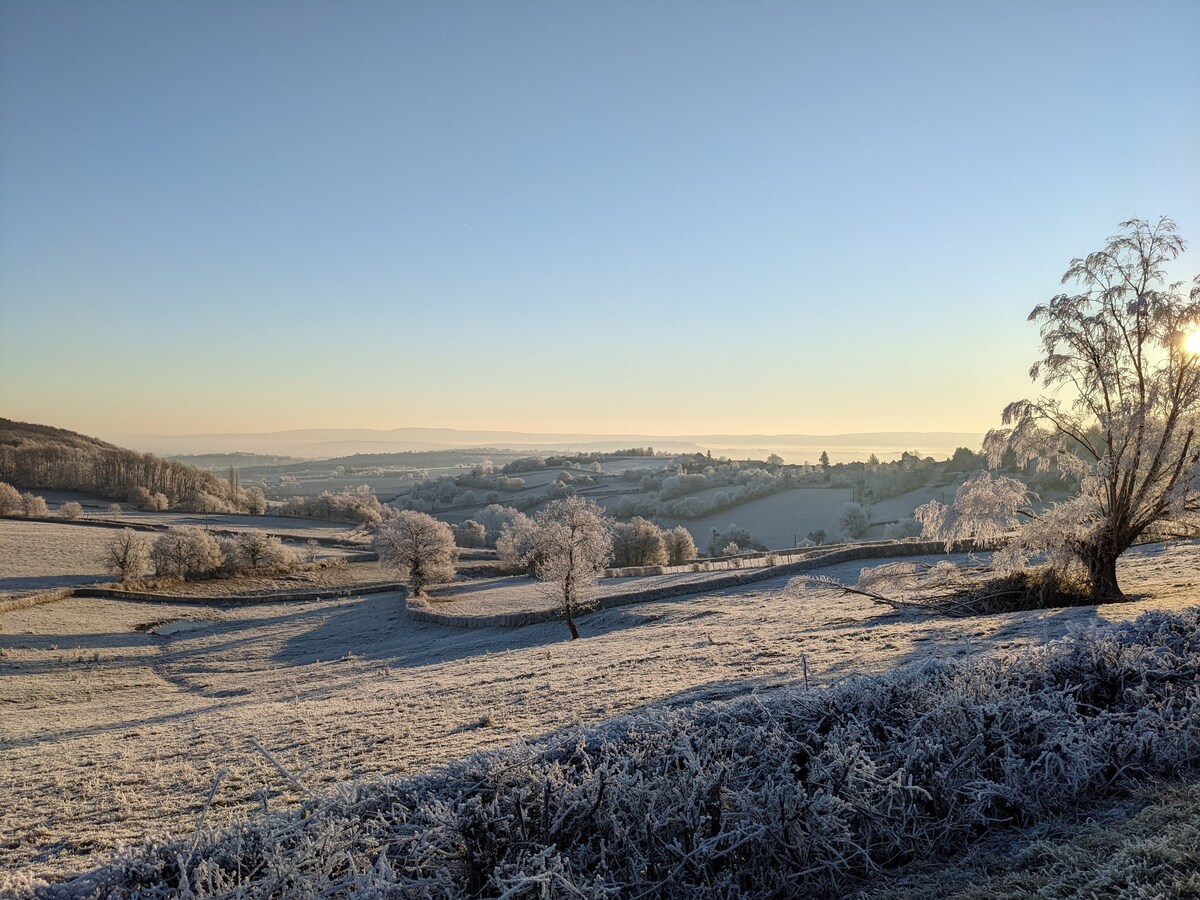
(777, 520)
(38, 556)
(109, 733)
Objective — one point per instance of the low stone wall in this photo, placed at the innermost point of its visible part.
(281, 597)
(27, 600)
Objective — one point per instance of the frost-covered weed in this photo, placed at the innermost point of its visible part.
(795, 794)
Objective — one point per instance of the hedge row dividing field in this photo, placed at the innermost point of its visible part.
(795, 793)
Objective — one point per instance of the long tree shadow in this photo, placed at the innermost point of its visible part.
(377, 628)
(20, 584)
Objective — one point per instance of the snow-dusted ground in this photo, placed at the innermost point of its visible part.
(777, 520)
(38, 556)
(109, 733)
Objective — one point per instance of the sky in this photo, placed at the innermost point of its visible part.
(650, 217)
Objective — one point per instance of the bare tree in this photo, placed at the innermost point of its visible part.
(571, 545)
(1119, 410)
(128, 555)
(638, 542)
(258, 550)
(254, 501)
(419, 546)
(70, 510)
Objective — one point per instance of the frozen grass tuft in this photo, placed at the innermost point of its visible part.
(799, 793)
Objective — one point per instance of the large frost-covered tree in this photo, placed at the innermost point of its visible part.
(419, 546)
(571, 542)
(1121, 392)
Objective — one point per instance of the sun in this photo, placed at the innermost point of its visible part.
(1191, 342)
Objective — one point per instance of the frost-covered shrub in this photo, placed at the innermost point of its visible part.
(186, 551)
(10, 500)
(70, 510)
(33, 505)
(359, 506)
(469, 534)
(515, 544)
(719, 540)
(139, 497)
(259, 550)
(681, 548)
(638, 543)
(232, 562)
(793, 794)
(526, 464)
(853, 518)
(254, 501)
(493, 518)
(902, 530)
(210, 503)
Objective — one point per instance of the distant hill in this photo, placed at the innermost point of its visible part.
(222, 461)
(27, 434)
(327, 443)
(41, 457)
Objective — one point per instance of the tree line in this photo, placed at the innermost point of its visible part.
(37, 457)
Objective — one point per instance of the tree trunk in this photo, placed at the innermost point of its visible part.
(571, 624)
(1102, 576)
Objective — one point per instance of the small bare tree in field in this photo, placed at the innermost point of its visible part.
(70, 510)
(10, 500)
(34, 506)
(681, 548)
(259, 550)
(420, 547)
(128, 555)
(571, 544)
(1121, 395)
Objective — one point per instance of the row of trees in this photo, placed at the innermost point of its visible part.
(15, 503)
(359, 506)
(565, 546)
(189, 551)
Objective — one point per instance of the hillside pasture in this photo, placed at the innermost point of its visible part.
(136, 728)
(777, 520)
(37, 556)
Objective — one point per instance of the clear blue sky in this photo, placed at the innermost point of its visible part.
(606, 217)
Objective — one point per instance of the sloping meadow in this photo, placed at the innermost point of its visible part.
(794, 793)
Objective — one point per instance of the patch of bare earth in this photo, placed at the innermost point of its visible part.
(109, 733)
